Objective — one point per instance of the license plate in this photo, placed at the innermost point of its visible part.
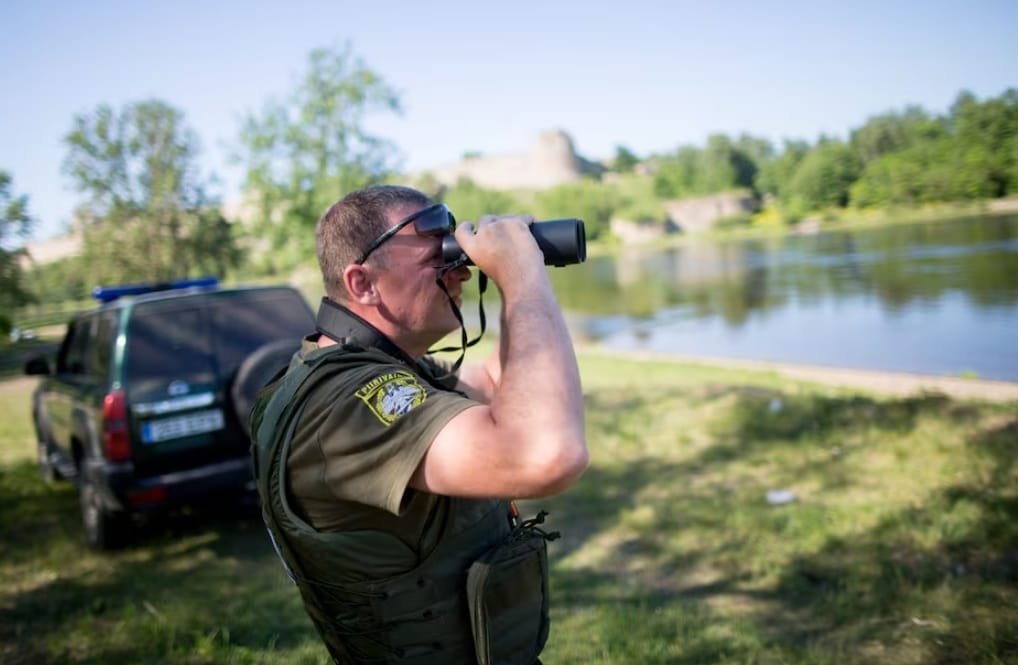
(181, 426)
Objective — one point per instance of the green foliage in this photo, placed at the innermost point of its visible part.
(775, 174)
(147, 216)
(589, 200)
(593, 201)
(970, 154)
(15, 223)
(720, 166)
(921, 174)
(625, 160)
(823, 177)
(987, 138)
(468, 201)
(59, 281)
(306, 152)
(898, 550)
(636, 198)
(903, 158)
(676, 174)
(893, 132)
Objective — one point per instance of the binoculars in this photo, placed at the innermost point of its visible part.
(562, 241)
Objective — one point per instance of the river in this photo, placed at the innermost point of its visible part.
(933, 297)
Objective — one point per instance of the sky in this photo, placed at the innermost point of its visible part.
(489, 77)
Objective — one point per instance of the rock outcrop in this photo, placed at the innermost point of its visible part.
(699, 214)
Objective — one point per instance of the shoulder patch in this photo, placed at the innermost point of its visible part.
(392, 395)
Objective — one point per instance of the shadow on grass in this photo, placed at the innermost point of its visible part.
(958, 595)
(939, 579)
(190, 581)
(666, 551)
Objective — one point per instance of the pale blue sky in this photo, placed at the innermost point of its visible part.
(489, 76)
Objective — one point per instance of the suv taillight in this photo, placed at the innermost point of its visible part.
(116, 437)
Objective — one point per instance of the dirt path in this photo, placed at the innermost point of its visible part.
(885, 383)
(16, 384)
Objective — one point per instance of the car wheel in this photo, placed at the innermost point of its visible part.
(256, 370)
(104, 529)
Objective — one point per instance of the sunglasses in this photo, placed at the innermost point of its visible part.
(434, 220)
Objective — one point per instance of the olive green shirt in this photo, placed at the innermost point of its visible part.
(360, 437)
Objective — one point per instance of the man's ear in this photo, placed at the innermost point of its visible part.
(360, 284)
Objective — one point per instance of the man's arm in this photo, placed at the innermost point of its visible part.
(528, 440)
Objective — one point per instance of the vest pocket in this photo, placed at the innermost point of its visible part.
(507, 593)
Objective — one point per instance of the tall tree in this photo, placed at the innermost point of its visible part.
(625, 160)
(15, 223)
(987, 138)
(721, 165)
(892, 132)
(823, 177)
(676, 174)
(147, 216)
(775, 174)
(586, 199)
(305, 152)
(724, 166)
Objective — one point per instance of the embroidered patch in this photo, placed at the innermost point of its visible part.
(392, 395)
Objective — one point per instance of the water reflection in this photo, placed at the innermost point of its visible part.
(922, 280)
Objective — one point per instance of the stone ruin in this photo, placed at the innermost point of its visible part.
(551, 161)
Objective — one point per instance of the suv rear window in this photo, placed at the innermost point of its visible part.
(244, 321)
(203, 340)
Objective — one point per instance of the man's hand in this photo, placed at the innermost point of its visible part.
(526, 437)
(503, 248)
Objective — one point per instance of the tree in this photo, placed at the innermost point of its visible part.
(676, 174)
(306, 152)
(15, 223)
(721, 165)
(147, 216)
(593, 202)
(468, 201)
(823, 177)
(775, 175)
(59, 281)
(625, 160)
(987, 138)
(892, 132)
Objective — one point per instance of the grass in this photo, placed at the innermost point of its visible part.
(901, 545)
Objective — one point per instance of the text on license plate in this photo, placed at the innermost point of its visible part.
(175, 428)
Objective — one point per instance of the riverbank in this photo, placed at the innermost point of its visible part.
(830, 220)
(895, 384)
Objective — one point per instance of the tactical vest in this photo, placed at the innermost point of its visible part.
(479, 596)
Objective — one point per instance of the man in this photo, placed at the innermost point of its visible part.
(385, 480)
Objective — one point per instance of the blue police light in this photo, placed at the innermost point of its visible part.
(110, 293)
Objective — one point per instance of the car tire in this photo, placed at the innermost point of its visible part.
(104, 529)
(254, 372)
(46, 469)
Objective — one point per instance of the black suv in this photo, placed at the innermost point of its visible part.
(148, 402)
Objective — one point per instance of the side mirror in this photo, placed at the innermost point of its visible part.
(38, 365)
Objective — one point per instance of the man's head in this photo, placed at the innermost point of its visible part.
(380, 251)
(348, 228)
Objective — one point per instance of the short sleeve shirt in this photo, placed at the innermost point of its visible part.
(362, 434)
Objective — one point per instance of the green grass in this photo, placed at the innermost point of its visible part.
(901, 546)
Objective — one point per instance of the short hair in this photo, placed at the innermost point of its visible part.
(352, 223)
